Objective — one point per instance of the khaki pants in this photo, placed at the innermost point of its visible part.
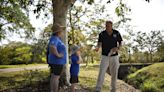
(113, 63)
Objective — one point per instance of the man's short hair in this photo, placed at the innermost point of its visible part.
(109, 22)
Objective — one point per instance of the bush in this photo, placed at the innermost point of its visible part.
(148, 79)
(149, 87)
(20, 53)
(132, 70)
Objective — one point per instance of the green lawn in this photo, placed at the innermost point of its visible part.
(19, 66)
(88, 78)
(15, 80)
(149, 79)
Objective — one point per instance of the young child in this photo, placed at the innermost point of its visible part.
(74, 69)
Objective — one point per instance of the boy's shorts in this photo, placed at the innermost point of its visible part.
(56, 69)
(74, 79)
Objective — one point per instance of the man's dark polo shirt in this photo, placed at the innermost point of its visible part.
(109, 41)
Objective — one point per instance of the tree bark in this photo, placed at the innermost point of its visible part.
(60, 9)
(151, 57)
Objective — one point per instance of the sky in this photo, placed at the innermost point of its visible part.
(145, 17)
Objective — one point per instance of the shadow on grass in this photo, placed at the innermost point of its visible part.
(27, 81)
(38, 86)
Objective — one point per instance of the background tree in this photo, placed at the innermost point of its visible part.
(15, 53)
(160, 51)
(14, 17)
(149, 41)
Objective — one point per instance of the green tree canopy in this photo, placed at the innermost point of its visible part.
(14, 17)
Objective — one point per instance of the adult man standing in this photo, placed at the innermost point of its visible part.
(110, 41)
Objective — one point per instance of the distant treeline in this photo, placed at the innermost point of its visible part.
(21, 53)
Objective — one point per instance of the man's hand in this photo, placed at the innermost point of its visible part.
(97, 49)
(115, 49)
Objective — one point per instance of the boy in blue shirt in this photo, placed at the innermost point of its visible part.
(74, 69)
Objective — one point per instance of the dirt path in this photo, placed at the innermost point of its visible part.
(23, 68)
(122, 87)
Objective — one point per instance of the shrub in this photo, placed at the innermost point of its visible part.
(148, 79)
(149, 87)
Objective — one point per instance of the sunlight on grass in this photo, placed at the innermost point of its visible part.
(88, 78)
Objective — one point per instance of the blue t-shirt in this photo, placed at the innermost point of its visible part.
(61, 48)
(74, 70)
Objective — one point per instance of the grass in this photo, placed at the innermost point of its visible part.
(88, 78)
(16, 80)
(19, 66)
(149, 79)
(29, 78)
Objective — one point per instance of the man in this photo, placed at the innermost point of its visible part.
(110, 40)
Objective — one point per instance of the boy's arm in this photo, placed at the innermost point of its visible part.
(80, 60)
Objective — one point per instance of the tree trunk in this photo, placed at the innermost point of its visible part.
(60, 8)
(87, 61)
(148, 59)
(151, 57)
(150, 53)
(92, 57)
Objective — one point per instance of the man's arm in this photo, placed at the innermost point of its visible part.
(119, 39)
(119, 44)
(99, 44)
